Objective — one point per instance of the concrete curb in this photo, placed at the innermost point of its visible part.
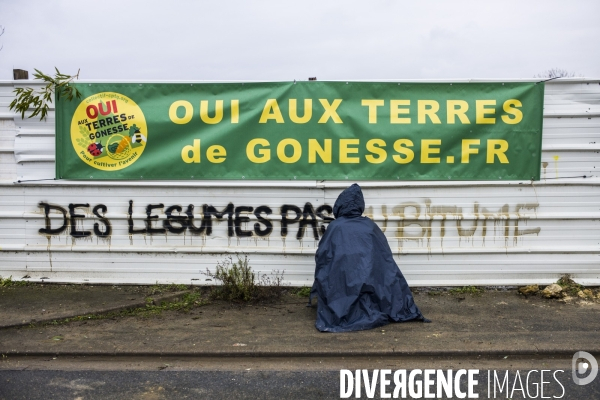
(139, 304)
(323, 354)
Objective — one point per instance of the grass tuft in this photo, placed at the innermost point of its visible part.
(185, 303)
(8, 282)
(569, 286)
(303, 291)
(473, 290)
(239, 282)
(160, 289)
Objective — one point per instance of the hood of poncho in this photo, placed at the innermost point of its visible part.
(350, 203)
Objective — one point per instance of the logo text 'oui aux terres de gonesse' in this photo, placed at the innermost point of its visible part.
(109, 131)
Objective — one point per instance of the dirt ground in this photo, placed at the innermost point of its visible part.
(494, 322)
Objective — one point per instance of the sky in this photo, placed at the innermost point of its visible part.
(286, 40)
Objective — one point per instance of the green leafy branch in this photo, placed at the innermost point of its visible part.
(28, 98)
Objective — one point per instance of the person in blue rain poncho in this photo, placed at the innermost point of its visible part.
(358, 284)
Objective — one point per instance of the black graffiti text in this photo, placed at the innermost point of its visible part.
(176, 219)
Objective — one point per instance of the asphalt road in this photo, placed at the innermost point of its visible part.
(159, 378)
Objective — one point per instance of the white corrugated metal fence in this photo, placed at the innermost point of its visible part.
(441, 233)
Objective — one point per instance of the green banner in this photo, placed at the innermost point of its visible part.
(301, 130)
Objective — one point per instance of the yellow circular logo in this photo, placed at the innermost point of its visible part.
(109, 131)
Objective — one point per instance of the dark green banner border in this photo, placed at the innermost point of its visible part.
(162, 157)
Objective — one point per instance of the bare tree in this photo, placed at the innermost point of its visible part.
(554, 73)
(1, 33)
